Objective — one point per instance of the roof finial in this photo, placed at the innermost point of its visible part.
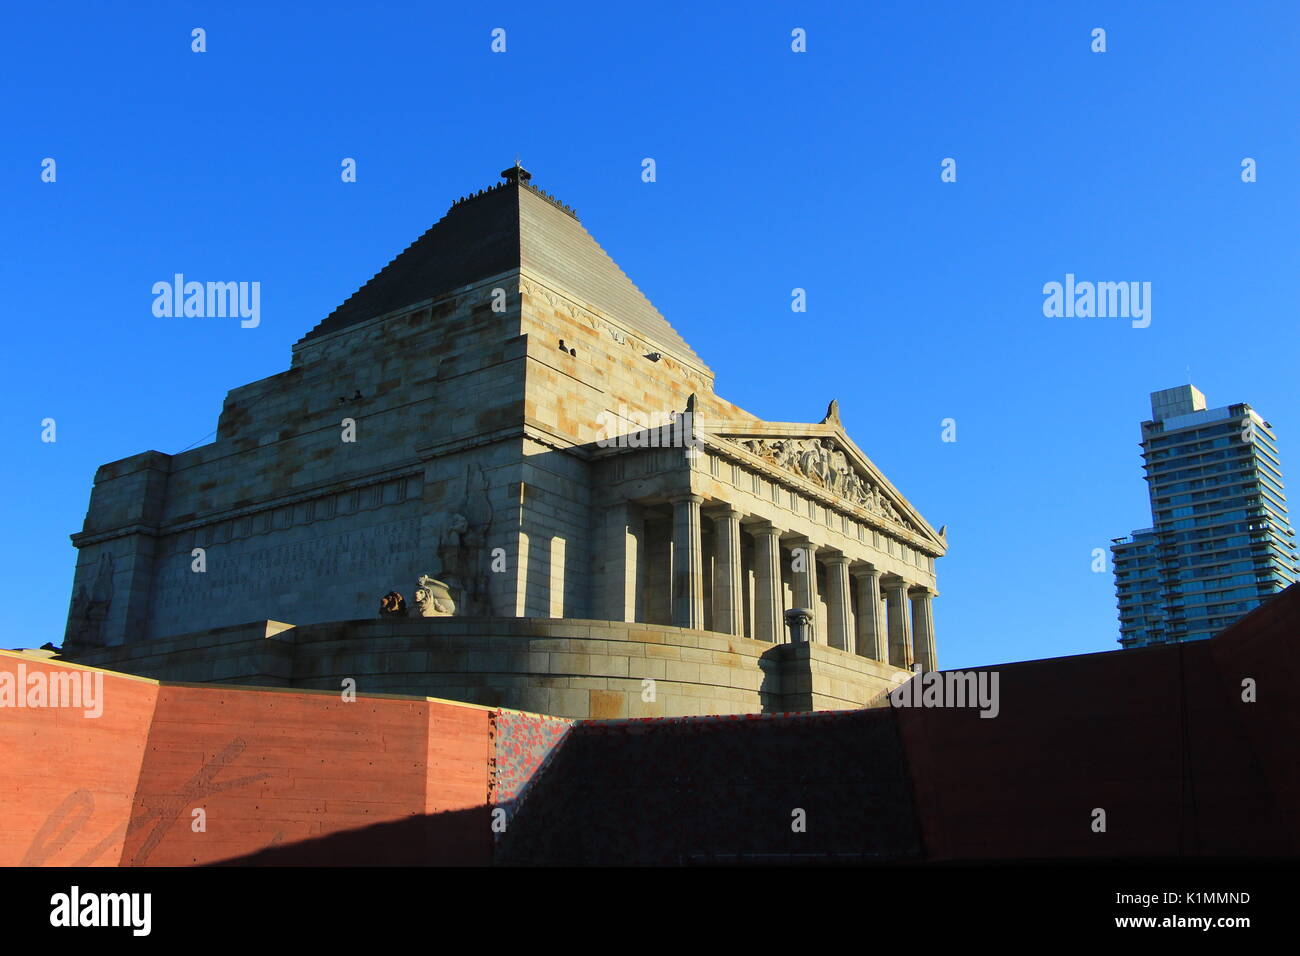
(516, 173)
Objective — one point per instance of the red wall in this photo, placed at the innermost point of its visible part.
(67, 781)
(294, 776)
(1159, 738)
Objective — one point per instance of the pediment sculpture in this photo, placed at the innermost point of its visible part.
(821, 461)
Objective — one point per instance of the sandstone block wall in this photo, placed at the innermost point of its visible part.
(297, 522)
(457, 409)
(565, 668)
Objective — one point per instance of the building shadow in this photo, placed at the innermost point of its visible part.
(450, 838)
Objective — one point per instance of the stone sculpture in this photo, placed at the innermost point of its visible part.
(460, 541)
(90, 609)
(433, 598)
(824, 464)
(392, 604)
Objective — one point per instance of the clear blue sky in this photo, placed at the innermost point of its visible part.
(776, 170)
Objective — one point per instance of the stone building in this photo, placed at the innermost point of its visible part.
(501, 409)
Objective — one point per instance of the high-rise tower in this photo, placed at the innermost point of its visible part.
(1220, 541)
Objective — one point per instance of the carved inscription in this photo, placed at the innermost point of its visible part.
(240, 572)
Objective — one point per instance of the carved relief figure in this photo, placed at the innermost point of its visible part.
(840, 472)
(451, 539)
(824, 464)
(462, 553)
(90, 609)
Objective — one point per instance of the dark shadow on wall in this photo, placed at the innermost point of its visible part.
(771, 689)
(452, 838)
(750, 789)
(1159, 752)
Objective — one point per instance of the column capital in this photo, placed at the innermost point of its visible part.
(763, 528)
(686, 496)
(724, 510)
(920, 590)
(835, 558)
(802, 541)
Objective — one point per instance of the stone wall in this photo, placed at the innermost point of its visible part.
(486, 402)
(454, 409)
(818, 677)
(566, 668)
(294, 520)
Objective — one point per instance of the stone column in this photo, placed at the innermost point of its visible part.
(559, 566)
(872, 637)
(923, 628)
(618, 564)
(805, 582)
(839, 611)
(728, 594)
(768, 603)
(688, 565)
(520, 596)
(900, 637)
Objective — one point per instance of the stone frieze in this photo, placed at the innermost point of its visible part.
(819, 461)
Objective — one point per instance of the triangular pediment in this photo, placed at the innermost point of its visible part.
(824, 457)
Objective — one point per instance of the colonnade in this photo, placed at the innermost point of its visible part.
(869, 612)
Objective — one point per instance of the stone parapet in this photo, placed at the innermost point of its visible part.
(562, 667)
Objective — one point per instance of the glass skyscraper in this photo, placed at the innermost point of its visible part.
(1221, 541)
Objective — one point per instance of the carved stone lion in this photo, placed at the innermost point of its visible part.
(433, 598)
